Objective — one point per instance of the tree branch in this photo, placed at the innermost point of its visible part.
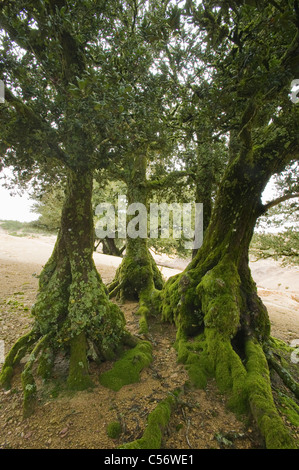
(38, 123)
(275, 4)
(277, 201)
(33, 40)
(33, 44)
(166, 181)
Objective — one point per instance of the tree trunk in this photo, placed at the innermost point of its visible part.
(109, 247)
(72, 310)
(203, 195)
(215, 300)
(204, 181)
(138, 273)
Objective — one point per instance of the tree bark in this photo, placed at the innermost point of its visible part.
(109, 247)
(138, 273)
(215, 301)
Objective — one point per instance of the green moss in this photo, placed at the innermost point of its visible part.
(46, 362)
(198, 375)
(134, 275)
(157, 421)
(14, 356)
(30, 392)
(289, 408)
(137, 274)
(28, 382)
(143, 311)
(52, 298)
(171, 300)
(157, 276)
(114, 430)
(6, 376)
(143, 326)
(219, 291)
(194, 355)
(280, 345)
(228, 368)
(212, 294)
(219, 294)
(127, 369)
(261, 400)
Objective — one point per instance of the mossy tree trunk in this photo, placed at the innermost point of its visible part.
(72, 310)
(215, 299)
(203, 195)
(138, 274)
(204, 180)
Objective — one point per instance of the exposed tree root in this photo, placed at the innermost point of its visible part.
(28, 382)
(114, 288)
(261, 400)
(157, 423)
(138, 278)
(283, 373)
(126, 370)
(137, 273)
(43, 350)
(17, 352)
(73, 313)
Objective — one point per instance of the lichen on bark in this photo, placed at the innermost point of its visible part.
(137, 277)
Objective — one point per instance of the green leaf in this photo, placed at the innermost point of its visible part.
(82, 84)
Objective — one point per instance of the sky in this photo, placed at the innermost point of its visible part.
(15, 207)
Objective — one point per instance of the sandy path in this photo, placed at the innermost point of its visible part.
(278, 286)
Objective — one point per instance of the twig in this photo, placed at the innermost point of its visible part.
(188, 426)
(187, 438)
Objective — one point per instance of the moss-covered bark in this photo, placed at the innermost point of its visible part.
(127, 369)
(72, 308)
(157, 422)
(215, 299)
(138, 275)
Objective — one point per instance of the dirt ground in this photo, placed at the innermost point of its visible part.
(79, 421)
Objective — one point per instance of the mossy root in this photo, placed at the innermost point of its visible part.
(157, 422)
(283, 373)
(14, 356)
(127, 369)
(28, 382)
(261, 400)
(79, 378)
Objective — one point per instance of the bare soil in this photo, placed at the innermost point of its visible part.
(66, 420)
